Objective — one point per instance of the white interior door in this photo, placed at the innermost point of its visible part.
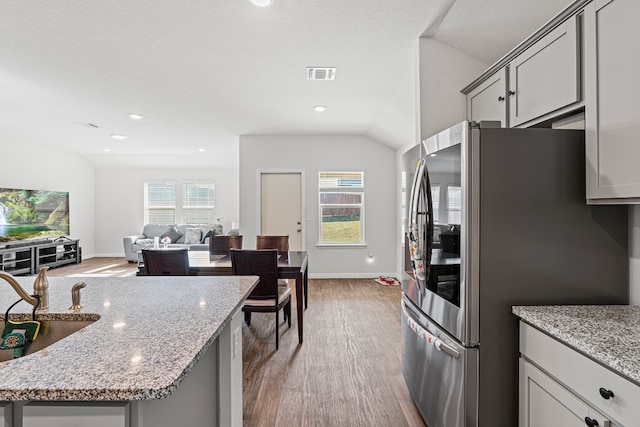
(281, 206)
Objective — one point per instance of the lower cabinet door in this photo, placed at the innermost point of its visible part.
(5, 414)
(544, 402)
(53, 414)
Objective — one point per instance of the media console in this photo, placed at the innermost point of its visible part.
(27, 257)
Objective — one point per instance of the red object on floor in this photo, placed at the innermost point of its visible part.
(387, 281)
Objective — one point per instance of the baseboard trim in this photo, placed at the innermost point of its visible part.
(349, 275)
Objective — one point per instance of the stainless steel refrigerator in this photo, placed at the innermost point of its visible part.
(494, 218)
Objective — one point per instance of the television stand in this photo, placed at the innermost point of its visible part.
(27, 257)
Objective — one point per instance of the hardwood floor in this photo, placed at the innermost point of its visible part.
(346, 373)
(96, 267)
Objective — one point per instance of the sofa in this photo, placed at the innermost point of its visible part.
(191, 236)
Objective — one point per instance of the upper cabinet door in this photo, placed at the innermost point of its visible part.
(612, 115)
(488, 101)
(545, 77)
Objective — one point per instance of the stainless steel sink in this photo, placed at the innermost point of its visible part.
(50, 332)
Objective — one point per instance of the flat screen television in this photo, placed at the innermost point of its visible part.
(33, 214)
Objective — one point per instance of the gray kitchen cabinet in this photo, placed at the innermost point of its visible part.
(5, 414)
(558, 381)
(55, 414)
(545, 77)
(612, 116)
(544, 402)
(488, 100)
(539, 79)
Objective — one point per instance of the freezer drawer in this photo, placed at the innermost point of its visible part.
(442, 376)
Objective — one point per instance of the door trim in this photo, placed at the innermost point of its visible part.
(303, 214)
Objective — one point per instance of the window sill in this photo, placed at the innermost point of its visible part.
(341, 245)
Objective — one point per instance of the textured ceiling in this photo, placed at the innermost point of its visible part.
(204, 72)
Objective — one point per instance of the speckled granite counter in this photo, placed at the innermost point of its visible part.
(608, 334)
(150, 333)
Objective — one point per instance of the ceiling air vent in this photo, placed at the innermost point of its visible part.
(321, 73)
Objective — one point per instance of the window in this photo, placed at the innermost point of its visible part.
(161, 206)
(454, 204)
(197, 202)
(341, 196)
(160, 202)
(435, 200)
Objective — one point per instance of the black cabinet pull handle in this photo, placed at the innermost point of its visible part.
(606, 394)
(590, 422)
(511, 93)
(500, 98)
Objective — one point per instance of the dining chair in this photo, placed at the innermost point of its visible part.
(281, 243)
(166, 262)
(220, 245)
(267, 296)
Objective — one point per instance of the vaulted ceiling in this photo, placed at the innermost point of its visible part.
(204, 72)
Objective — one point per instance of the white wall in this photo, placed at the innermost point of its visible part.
(120, 207)
(43, 168)
(312, 154)
(443, 72)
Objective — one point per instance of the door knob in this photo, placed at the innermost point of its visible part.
(590, 422)
(606, 394)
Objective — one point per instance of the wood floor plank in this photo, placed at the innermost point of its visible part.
(346, 373)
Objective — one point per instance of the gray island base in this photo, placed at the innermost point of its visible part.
(165, 351)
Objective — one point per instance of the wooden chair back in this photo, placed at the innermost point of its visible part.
(281, 243)
(166, 262)
(220, 245)
(262, 263)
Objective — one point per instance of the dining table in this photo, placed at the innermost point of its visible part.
(291, 265)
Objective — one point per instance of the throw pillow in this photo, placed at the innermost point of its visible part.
(173, 234)
(207, 234)
(192, 235)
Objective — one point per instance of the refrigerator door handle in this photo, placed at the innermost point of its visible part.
(445, 348)
(429, 337)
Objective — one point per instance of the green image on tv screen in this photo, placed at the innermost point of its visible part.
(32, 214)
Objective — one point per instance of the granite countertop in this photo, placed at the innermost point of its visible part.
(608, 334)
(150, 333)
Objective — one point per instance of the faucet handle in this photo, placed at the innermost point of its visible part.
(75, 296)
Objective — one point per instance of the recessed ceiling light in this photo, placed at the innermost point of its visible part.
(319, 108)
(106, 150)
(117, 136)
(202, 149)
(262, 3)
(135, 116)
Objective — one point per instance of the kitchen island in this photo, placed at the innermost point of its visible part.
(579, 362)
(164, 351)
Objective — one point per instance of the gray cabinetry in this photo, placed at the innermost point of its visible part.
(557, 381)
(612, 116)
(545, 77)
(488, 101)
(540, 79)
(544, 402)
